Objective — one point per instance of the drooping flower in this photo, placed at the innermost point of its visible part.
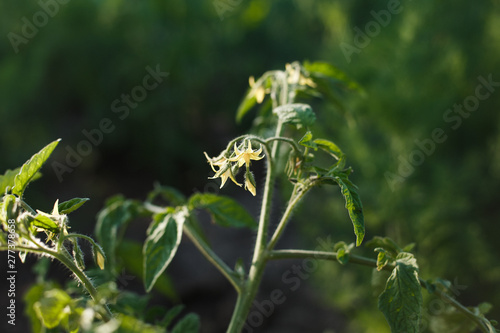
(245, 156)
(224, 171)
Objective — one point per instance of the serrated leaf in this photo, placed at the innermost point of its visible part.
(225, 211)
(7, 179)
(164, 237)
(51, 307)
(45, 222)
(111, 222)
(31, 167)
(71, 205)
(353, 205)
(401, 301)
(189, 324)
(296, 114)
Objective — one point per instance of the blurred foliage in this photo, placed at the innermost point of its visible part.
(426, 59)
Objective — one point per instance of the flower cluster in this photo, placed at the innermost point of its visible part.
(228, 167)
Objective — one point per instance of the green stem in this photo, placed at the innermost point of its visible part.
(212, 257)
(82, 277)
(249, 289)
(355, 259)
(294, 200)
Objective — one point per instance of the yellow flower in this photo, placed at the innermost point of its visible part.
(244, 156)
(224, 171)
(227, 174)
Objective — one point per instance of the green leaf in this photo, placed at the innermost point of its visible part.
(306, 141)
(164, 237)
(324, 69)
(189, 324)
(401, 301)
(171, 194)
(353, 205)
(343, 250)
(246, 104)
(329, 147)
(130, 254)
(31, 167)
(170, 315)
(71, 205)
(296, 114)
(33, 295)
(51, 307)
(225, 211)
(129, 324)
(111, 223)
(386, 243)
(7, 179)
(45, 222)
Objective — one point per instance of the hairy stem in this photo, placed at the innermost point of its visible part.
(81, 276)
(250, 287)
(360, 260)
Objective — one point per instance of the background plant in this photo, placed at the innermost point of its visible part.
(401, 299)
(417, 67)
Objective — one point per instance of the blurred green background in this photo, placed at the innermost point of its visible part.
(61, 76)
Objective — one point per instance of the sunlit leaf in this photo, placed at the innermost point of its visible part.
(111, 222)
(71, 205)
(353, 205)
(7, 179)
(31, 167)
(51, 308)
(401, 301)
(164, 237)
(296, 114)
(45, 222)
